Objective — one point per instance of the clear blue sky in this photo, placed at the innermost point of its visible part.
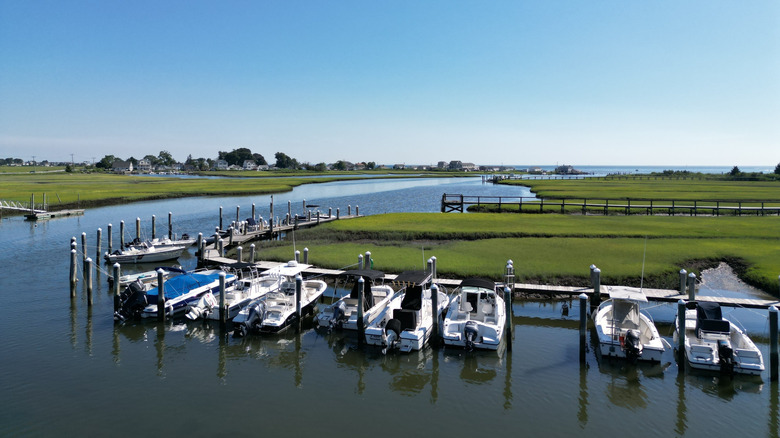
(659, 82)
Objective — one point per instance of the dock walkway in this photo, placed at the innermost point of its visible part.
(521, 290)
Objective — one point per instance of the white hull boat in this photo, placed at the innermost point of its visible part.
(144, 254)
(250, 286)
(343, 314)
(146, 277)
(476, 317)
(623, 330)
(276, 310)
(180, 292)
(407, 321)
(713, 343)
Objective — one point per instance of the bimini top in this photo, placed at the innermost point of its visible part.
(478, 282)
(368, 274)
(627, 293)
(293, 268)
(413, 277)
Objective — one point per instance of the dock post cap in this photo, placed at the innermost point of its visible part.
(597, 270)
(592, 267)
(683, 271)
(583, 296)
(160, 271)
(692, 275)
(773, 309)
(221, 274)
(680, 302)
(116, 265)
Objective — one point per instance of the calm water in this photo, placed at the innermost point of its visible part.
(67, 370)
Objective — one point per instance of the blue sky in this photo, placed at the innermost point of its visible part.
(498, 82)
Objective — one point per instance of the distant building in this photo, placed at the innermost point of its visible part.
(455, 165)
(144, 165)
(567, 170)
(263, 167)
(250, 165)
(221, 165)
(399, 166)
(120, 166)
(469, 167)
(535, 169)
(441, 165)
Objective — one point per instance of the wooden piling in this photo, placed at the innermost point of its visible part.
(252, 253)
(222, 309)
(220, 217)
(202, 252)
(115, 285)
(338, 213)
(221, 247)
(297, 256)
(434, 341)
(238, 213)
(240, 254)
(683, 280)
(199, 245)
(83, 249)
(298, 292)
(583, 326)
(349, 210)
(681, 335)
(73, 272)
(289, 209)
(509, 317)
(434, 267)
(170, 225)
(154, 226)
(138, 228)
(357, 210)
(160, 295)
(367, 262)
(253, 211)
(360, 261)
(271, 218)
(773, 354)
(306, 256)
(596, 287)
(230, 236)
(88, 280)
(360, 323)
(121, 235)
(691, 287)
(98, 245)
(110, 240)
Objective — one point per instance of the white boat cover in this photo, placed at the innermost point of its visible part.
(627, 293)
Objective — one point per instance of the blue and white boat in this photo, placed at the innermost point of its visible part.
(180, 292)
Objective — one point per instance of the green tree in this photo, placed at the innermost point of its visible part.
(236, 156)
(68, 169)
(106, 162)
(259, 159)
(370, 165)
(777, 169)
(285, 162)
(166, 159)
(152, 160)
(735, 171)
(340, 165)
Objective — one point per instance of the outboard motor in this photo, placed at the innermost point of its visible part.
(203, 307)
(726, 355)
(470, 334)
(391, 335)
(339, 316)
(253, 321)
(632, 346)
(131, 301)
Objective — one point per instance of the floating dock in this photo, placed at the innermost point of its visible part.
(42, 215)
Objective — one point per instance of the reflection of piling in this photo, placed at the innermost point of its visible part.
(773, 358)
(691, 287)
(360, 323)
(681, 335)
(160, 295)
(583, 325)
(683, 280)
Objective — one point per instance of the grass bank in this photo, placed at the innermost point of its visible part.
(550, 249)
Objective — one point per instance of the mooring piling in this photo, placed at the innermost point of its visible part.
(306, 256)
(361, 328)
(367, 262)
(681, 335)
(154, 226)
(773, 353)
(73, 272)
(138, 228)
(683, 280)
(357, 210)
(88, 280)
(221, 244)
(360, 261)
(298, 292)
(121, 235)
(83, 248)
(222, 308)
(691, 287)
(160, 295)
(170, 225)
(508, 327)
(253, 211)
(252, 253)
(297, 256)
(596, 287)
(238, 213)
(583, 326)
(436, 315)
(240, 254)
(98, 245)
(116, 287)
(338, 213)
(110, 239)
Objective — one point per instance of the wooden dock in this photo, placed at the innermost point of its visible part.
(459, 203)
(40, 215)
(240, 237)
(534, 290)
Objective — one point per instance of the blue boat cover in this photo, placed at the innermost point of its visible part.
(182, 284)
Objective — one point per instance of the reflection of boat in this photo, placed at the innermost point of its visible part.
(144, 253)
(180, 291)
(250, 286)
(476, 317)
(623, 331)
(714, 343)
(344, 312)
(406, 323)
(276, 310)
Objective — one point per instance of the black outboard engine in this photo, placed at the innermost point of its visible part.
(131, 301)
(470, 334)
(632, 346)
(392, 334)
(726, 355)
(253, 320)
(339, 316)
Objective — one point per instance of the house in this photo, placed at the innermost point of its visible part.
(399, 166)
(120, 166)
(250, 165)
(441, 165)
(144, 165)
(263, 167)
(455, 165)
(535, 170)
(221, 165)
(469, 167)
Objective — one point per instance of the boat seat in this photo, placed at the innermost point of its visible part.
(408, 318)
(487, 309)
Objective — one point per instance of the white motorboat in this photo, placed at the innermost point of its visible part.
(144, 253)
(714, 343)
(180, 291)
(343, 314)
(278, 309)
(146, 277)
(407, 321)
(476, 317)
(623, 330)
(250, 286)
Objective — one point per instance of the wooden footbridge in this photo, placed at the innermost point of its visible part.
(37, 212)
(532, 204)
